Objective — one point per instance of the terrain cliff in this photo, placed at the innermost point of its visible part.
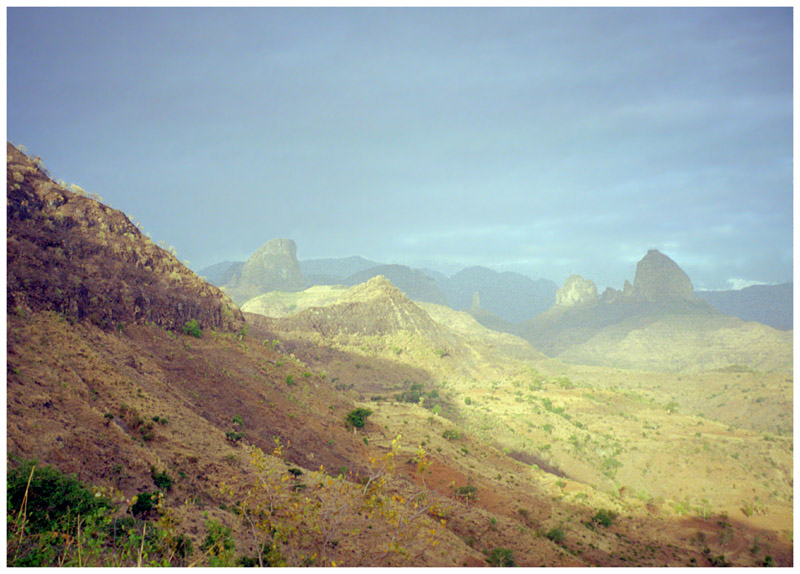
(273, 267)
(73, 255)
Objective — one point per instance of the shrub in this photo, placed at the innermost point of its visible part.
(234, 436)
(451, 434)
(53, 498)
(467, 492)
(556, 535)
(412, 395)
(290, 380)
(161, 479)
(357, 418)
(218, 541)
(192, 329)
(467, 401)
(501, 557)
(604, 518)
(238, 420)
(144, 503)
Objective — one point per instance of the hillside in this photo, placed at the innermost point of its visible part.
(365, 431)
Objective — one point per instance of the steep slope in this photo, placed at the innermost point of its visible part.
(75, 256)
(102, 384)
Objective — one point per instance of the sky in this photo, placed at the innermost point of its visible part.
(550, 142)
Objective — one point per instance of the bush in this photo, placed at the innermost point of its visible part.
(218, 540)
(467, 492)
(192, 329)
(162, 479)
(412, 395)
(238, 420)
(54, 499)
(357, 418)
(604, 518)
(451, 434)
(501, 557)
(290, 380)
(144, 503)
(556, 535)
(234, 436)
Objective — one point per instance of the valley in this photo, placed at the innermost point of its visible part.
(351, 425)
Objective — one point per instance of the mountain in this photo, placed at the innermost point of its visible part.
(655, 324)
(768, 304)
(512, 296)
(273, 267)
(413, 282)
(148, 425)
(334, 270)
(222, 273)
(79, 258)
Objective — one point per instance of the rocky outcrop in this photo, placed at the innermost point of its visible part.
(71, 254)
(576, 291)
(274, 267)
(658, 278)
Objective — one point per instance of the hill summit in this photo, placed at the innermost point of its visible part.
(659, 278)
(273, 267)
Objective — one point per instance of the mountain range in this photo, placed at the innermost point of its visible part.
(150, 421)
(507, 299)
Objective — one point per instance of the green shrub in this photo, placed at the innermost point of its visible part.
(238, 420)
(604, 518)
(161, 479)
(412, 395)
(556, 535)
(144, 503)
(467, 401)
(468, 492)
(218, 541)
(357, 418)
(451, 434)
(54, 499)
(192, 329)
(290, 380)
(501, 557)
(234, 436)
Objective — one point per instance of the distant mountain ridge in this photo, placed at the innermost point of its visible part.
(768, 304)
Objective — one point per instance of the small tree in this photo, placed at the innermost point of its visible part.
(357, 418)
(501, 557)
(192, 329)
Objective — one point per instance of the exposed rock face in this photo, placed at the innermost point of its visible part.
(658, 278)
(274, 267)
(611, 295)
(73, 255)
(576, 291)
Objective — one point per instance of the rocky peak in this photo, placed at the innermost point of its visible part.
(273, 267)
(576, 291)
(659, 278)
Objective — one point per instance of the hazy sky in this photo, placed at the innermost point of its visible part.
(545, 141)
